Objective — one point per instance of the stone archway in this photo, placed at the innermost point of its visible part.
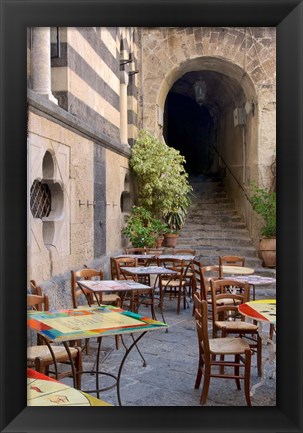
(202, 133)
(238, 64)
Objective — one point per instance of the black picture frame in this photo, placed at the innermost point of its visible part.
(286, 15)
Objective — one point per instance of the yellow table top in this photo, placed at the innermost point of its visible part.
(237, 270)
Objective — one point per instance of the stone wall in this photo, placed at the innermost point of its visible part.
(86, 228)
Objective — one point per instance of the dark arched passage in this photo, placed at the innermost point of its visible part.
(189, 128)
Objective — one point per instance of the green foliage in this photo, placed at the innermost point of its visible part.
(264, 203)
(163, 185)
(175, 220)
(142, 229)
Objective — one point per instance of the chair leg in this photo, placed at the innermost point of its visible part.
(178, 301)
(247, 376)
(237, 371)
(199, 372)
(205, 384)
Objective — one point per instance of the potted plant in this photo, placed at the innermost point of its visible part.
(174, 220)
(163, 186)
(142, 229)
(264, 203)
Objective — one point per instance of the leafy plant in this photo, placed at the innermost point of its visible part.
(264, 203)
(163, 185)
(175, 220)
(142, 229)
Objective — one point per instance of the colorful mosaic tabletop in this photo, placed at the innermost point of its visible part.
(45, 391)
(263, 310)
(96, 321)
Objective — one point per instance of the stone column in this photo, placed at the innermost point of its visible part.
(123, 107)
(41, 62)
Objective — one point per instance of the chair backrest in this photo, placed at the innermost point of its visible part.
(118, 262)
(35, 290)
(207, 273)
(38, 302)
(137, 250)
(195, 266)
(155, 251)
(230, 261)
(226, 295)
(174, 264)
(201, 317)
(83, 274)
(184, 251)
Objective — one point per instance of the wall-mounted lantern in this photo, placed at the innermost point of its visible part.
(200, 92)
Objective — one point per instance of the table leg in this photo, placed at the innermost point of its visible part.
(135, 341)
(271, 348)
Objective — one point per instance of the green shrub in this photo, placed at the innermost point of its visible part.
(142, 229)
(264, 203)
(163, 185)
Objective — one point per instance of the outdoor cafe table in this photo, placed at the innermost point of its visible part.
(136, 271)
(43, 390)
(264, 312)
(255, 280)
(109, 286)
(237, 270)
(63, 326)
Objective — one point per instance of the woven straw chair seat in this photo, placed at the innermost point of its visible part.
(42, 351)
(172, 283)
(227, 346)
(236, 325)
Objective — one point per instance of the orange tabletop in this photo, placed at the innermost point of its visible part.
(263, 310)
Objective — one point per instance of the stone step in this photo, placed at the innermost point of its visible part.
(202, 207)
(222, 250)
(210, 224)
(213, 228)
(209, 240)
(213, 231)
(230, 213)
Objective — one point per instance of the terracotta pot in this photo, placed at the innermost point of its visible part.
(170, 239)
(160, 241)
(267, 252)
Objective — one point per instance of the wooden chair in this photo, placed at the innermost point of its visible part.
(88, 274)
(210, 348)
(40, 356)
(136, 250)
(227, 294)
(203, 275)
(176, 285)
(188, 271)
(117, 263)
(184, 251)
(156, 252)
(230, 261)
(35, 289)
(139, 297)
(104, 298)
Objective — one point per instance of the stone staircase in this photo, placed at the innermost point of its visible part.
(214, 228)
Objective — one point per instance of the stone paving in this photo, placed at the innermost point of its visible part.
(172, 360)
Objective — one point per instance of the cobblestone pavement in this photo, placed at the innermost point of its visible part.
(172, 360)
